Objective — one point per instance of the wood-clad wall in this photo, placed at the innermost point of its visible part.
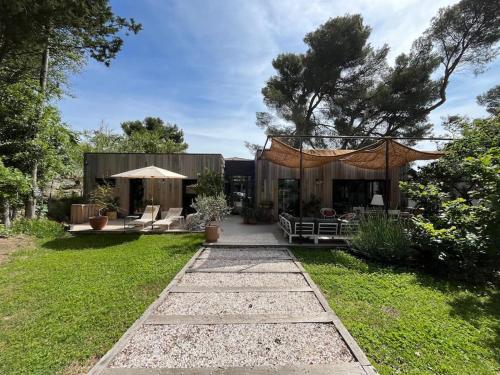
(319, 181)
(168, 192)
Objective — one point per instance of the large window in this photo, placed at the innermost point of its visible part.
(288, 195)
(355, 193)
(239, 191)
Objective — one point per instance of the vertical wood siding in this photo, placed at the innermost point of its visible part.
(168, 192)
(268, 174)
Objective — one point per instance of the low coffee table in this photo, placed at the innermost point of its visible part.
(129, 218)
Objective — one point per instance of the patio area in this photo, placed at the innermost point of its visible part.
(119, 226)
(234, 232)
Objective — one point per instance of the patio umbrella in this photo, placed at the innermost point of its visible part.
(150, 172)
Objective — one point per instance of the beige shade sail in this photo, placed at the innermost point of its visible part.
(370, 157)
(149, 172)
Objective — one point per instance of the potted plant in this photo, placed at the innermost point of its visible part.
(210, 210)
(102, 197)
(112, 207)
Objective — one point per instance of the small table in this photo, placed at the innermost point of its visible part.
(129, 218)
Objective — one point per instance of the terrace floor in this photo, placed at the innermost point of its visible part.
(234, 232)
(117, 226)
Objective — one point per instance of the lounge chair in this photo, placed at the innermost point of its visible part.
(148, 216)
(169, 217)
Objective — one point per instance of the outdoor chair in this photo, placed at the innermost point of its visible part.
(148, 216)
(348, 217)
(169, 217)
(328, 213)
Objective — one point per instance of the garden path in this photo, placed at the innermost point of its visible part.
(237, 311)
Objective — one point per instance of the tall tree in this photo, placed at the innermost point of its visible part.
(341, 86)
(73, 30)
(491, 100)
(150, 135)
(338, 55)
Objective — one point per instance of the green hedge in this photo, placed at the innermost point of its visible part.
(39, 228)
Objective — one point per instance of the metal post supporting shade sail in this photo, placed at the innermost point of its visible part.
(150, 172)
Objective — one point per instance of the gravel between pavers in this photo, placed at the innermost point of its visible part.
(246, 253)
(240, 303)
(241, 265)
(233, 345)
(241, 280)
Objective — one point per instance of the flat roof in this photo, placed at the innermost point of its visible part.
(149, 153)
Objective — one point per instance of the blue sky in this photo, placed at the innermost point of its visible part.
(202, 63)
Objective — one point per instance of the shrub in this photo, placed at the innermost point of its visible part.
(210, 208)
(103, 196)
(458, 234)
(383, 239)
(40, 228)
(59, 209)
(4, 232)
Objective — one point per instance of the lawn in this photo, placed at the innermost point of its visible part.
(65, 302)
(408, 322)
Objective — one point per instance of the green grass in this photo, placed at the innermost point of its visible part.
(407, 322)
(67, 301)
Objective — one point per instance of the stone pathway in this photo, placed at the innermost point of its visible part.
(237, 311)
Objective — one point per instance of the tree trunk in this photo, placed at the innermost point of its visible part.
(6, 214)
(13, 213)
(30, 211)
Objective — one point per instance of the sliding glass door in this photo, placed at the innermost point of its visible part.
(288, 195)
(355, 193)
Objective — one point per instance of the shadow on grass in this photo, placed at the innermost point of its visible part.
(89, 241)
(474, 308)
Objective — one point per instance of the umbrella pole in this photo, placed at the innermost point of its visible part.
(152, 202)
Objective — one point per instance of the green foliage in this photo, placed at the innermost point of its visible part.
(151, 135)
(383, 239)
(39, 228)
(14, 185)
(459, 232)
(67, 302)
(72, 32)
(209, 183)
(26, 130)
(211, 208)
(408, 322)
(104, 197)
(491, 100)
(4, 231)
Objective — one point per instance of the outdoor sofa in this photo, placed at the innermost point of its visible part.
(316, 229)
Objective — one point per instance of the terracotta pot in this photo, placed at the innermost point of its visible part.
(112, 215)
(98, 222)
(211, 233)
